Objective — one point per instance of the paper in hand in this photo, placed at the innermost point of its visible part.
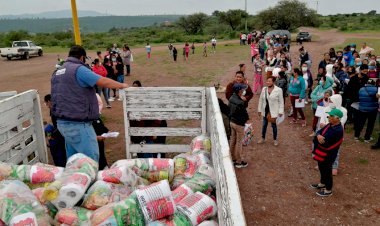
(110, 134)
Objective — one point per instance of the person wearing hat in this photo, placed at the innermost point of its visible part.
(238, 119)
(326, 145)
(74, 102)
(239, 79)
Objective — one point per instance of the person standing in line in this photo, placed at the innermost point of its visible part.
(254, 50)
(258, 68)
(240, 79)
(111, 75)
(100, 128)
(213, 44)
(238, 119)
(102, 71)
(326, 145)
(175, 54)
(297, 93)
(148, 50)
(271, 106)
(170, 47)
(126, 56)
(205, 49)
(192, 48)
(75, 104)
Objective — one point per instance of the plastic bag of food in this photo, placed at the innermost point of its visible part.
(5, 170)
(209, 223)
(181, 192)
(156, 201)
(185, 164)
(18, 205)
(21, 172)
(120, 174)
(75, 216)
(178, 181)
(197, 207)
(151, 176)
(102, 193)
(42, 173)
(201, 143)
(178, 219)
(142, 164)
(82, 164)
(125, 212)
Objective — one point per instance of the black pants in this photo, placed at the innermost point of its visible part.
(360, 120)
(175, 57)
(325, 169)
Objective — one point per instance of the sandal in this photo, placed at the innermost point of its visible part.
(303, 123)
(293, 121)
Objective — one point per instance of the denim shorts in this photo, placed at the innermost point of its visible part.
(80, 137)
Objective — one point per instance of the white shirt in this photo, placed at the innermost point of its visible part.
(306, 78)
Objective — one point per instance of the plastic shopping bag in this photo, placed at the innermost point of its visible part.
(248, 134)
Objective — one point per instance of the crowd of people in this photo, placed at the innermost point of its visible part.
(344, 91)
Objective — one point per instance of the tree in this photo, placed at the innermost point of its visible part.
(193, 24)
(289, 15)
(372, 13)
(232, 17)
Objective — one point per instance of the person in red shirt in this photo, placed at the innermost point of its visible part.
(101, 70)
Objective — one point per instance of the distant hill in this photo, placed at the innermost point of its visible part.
(87, 24)
(54, 14)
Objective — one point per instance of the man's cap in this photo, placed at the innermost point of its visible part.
(353, 45)
(336, 112)
(239, 86)
(77, 51)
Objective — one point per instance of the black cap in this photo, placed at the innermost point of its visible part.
(77, 51)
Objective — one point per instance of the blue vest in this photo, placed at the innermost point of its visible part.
(70, 101)
(367, 99)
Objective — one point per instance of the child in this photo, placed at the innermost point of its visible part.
(56, 144)
(148, 49)
(205, 49)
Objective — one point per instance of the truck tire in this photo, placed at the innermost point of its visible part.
(26, 55)
(40, 53)
(9, 58)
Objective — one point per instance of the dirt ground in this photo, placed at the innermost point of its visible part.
(274, 187)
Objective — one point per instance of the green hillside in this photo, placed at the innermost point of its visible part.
(87, 24)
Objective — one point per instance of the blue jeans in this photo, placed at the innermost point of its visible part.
(120, 78)
(80, 137)
(105, 92)
(264, 129)
(336, 162)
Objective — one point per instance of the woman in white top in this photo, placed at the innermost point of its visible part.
(271, 106)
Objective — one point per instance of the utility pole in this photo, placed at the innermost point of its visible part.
(78, 40)
(246, 17)
(317, 6)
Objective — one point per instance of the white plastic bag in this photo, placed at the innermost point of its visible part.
(248, 134)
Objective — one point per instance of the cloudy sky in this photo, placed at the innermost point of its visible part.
(149, 7)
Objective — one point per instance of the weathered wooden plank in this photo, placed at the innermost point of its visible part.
(18, 138)
(163, 109)
(159, 148)
(163, 131)
(39, 134)
(4, 95)
(165, 94)
(16, 100)
(160, 89)
(23, 153)
(148, 115)
(16, 116)
(162, 103)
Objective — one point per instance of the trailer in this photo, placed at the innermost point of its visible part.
(22, 139)
(186, 103)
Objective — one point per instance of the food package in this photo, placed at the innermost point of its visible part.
(200, 143)
(21, 172)
(18, 205)
(120, 174)
(209, 223)
(185, 164)
(5, 170)
(181, 192)
(75, 216)
(178, 219)
(151, 176)
(125, 212)
(42, 173)
(156, 201)
(102, 193)
(142, 163)
(72, 190)
(203, 181)
(178, 181)
(197, 207)
(82, 164)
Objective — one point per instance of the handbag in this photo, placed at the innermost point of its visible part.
(269, 116)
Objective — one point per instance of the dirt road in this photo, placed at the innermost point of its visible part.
(274, 187)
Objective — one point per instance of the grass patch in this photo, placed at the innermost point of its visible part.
(374, 43)
(362, 161)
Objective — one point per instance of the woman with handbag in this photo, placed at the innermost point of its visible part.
(271, 106)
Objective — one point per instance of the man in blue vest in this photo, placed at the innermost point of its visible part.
(75, 105)
(326, 146)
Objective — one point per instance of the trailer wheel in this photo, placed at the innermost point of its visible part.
(26, 55)
(9, 58)
(40, 53)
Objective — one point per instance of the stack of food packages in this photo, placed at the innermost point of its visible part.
(154, 192)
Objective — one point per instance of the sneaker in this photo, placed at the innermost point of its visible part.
(108, 106)
(317, 186)
(306, 102)
(111, 99)
(303, 123)
(275, 142)
(324, 193)
(356, 138)
(241, 165)
(375, 146)
(334, 172)
(369, 140)
(312, 134)
(261, 141)
(120, 99)
(293, 121)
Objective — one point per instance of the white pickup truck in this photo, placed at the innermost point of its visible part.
(21, 49)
